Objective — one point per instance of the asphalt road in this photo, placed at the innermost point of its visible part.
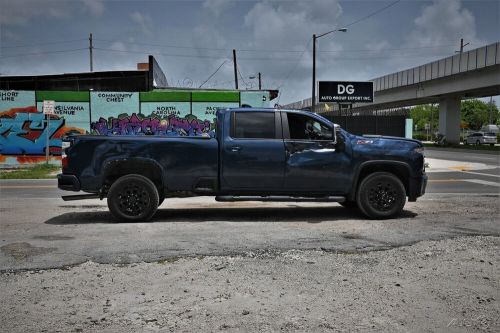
(465, 155)
(473, 182)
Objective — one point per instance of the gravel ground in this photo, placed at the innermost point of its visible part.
(447, 285)
(49, 233)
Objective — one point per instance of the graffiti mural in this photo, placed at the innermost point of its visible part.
(140, 125)
(24, 131)
(162, 112)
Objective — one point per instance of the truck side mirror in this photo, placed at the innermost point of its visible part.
(335, 126)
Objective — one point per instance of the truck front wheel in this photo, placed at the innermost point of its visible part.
(381, 195)
(133, 198)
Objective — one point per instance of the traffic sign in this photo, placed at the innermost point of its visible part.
(48, 107)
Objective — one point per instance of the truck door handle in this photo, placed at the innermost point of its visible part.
(235, 148)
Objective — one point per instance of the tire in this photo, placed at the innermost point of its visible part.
(478, 142)
(133, 198)
(466, 143)
(492, 145)
(381, 195)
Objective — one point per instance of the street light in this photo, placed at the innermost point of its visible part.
(313, 101)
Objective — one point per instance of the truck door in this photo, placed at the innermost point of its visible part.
(313, 162)
(253, 152)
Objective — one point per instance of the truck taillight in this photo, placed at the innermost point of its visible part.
(64, 157)
(64, 161)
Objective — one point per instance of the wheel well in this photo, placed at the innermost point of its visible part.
(117, 169)
(399, 170)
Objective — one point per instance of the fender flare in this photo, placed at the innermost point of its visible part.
(361, 166)
(109, 164)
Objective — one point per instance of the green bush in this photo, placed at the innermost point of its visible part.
(421, 137)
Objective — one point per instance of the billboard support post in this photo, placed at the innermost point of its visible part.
(47, 145)
(48, 109)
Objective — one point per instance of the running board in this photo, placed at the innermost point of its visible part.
(277, 198)
(80, 197)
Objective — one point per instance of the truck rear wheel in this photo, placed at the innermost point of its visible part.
(133, 198)
(381, 195)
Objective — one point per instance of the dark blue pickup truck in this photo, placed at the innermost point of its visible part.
(255, 154)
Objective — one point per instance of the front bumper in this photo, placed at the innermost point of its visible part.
(417, 187)
(68, 182)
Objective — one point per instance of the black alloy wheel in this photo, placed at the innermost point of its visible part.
(381, 195)
(133, 198)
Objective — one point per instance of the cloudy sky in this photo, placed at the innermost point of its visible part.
(191, 38)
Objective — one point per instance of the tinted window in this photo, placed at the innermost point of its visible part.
(253, 125)
(306, 128)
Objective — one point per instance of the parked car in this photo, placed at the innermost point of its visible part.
(481, 138)
(256, 155)
(491, 128)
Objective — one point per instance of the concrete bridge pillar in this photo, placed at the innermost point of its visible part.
(449, 119)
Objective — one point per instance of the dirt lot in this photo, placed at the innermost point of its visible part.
(448, 285)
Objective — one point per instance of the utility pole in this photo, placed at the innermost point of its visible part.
(260, 83)
(313, 101)
(491, 110)
(235, 69)
(91, 47)
(462, 45)
(432, 119)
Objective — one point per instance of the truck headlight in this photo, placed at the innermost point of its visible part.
(419, 150)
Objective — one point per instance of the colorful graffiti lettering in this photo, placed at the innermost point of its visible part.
(23, 131)
(139, 125)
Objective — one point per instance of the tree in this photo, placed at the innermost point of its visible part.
(477, 113)
(473, 112)
(422, 114)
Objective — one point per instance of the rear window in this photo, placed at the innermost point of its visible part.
(253, 125)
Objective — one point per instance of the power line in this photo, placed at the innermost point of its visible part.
(166, 45)
(163, 54)
(225, 61)
(283, 83)
(242, 79)
(371, 14)
(272, 50)
(387, 49)
(40, 53)
(295, 66)
(41, 44)
(258, 58)
(219, 57)
(222, 57)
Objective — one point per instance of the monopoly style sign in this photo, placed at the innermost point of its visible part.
(345, 92)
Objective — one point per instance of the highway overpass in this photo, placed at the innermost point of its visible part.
(475, 73)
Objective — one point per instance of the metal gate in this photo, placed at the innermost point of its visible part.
(371, 124)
